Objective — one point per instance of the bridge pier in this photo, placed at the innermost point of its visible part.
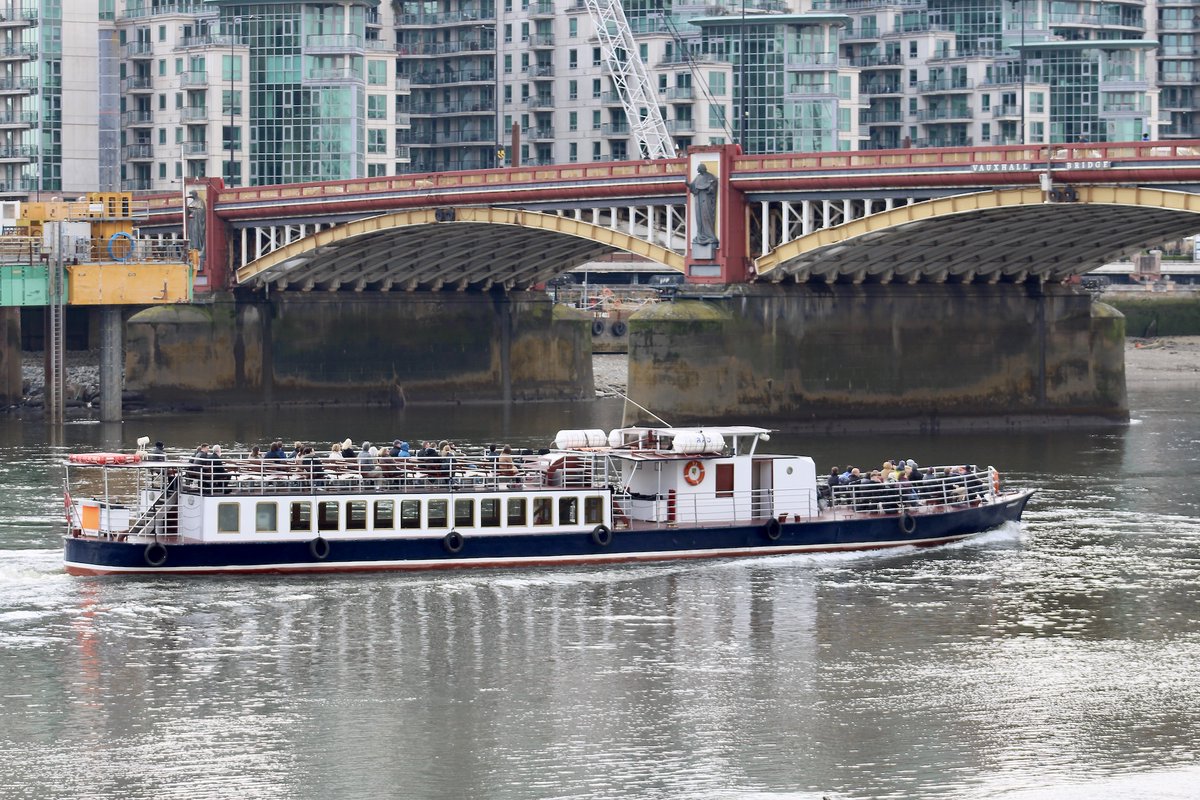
(848, 357)
(10, 355)
(363, 348)
(112, 358)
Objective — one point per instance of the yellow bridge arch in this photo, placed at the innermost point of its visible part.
(434, 248)
(1010, 234)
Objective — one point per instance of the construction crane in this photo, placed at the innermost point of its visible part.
(632, 82)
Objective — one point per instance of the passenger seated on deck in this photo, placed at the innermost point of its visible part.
(215, 477)
(159, 453)
(348, 449)
(313, 468)
(276, 451)
(505, 468)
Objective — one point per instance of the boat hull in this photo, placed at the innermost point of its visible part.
(91, 556)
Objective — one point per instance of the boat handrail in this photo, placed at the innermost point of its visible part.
(940, 486)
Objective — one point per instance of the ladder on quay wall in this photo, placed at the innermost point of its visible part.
(54, 393)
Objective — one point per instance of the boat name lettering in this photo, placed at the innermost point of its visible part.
(1089, 165)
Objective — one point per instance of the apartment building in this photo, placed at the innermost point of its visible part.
(139, 94)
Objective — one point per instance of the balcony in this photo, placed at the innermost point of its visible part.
(138, 84)
(681, 126)
(17, 16)
(333, 43)
(880, 88)
(1007, 111)
(402, 152)
(876, 60)
(541, 9)
(18, 152)
(542, 133)
(139, 50)
(935, 115)
(680, 94)
(945, 85)
(136, 185)
(541, 41)
(18, 119)
(19, 85)
(138, 119)
(18, 51)
(615, 129)
(443, 78)
(333, 75)
(812, 61)
(138, 152)
(193, 80)
(540, 102)
(541, 71)
(881, 118)
(200, 148)
(448, 18)
(193, 114)
(611, 99)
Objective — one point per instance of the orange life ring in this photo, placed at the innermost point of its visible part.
(104, 458)
(995, 481)
(693, 472)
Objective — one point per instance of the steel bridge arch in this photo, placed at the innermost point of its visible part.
(464, 251)
(1009, 234)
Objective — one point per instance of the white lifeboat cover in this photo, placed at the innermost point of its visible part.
(576, 439)
(695, 442)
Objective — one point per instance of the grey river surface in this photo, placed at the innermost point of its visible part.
(1056, 659)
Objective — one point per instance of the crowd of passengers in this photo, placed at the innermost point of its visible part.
(901, 484)
(437, 463)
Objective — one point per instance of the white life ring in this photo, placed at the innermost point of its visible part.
(693, 472)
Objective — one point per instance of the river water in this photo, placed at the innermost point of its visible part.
(1055, 659)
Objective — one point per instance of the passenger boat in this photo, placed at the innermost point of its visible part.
(636, 494)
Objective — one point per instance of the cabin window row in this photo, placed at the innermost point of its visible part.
(414, 514)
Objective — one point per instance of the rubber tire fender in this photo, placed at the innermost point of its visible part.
(453, 542)
(319, 547)
(602, 535)
(908, 523)
(155, 554)
(773, 529)
(619, 328)
(597, 327)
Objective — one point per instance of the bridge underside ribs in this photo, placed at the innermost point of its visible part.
(1006, 235)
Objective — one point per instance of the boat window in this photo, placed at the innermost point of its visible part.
(265, 517)
(464, 513)
(489, 512)
(356, 515)
(327, 515)
(436, 514)
(410, 513)
(385, 514)
(568, 511)
(542, 511)
(302, 516)
(517, 513)
(227, 518)
(724, 480)
(593, 510)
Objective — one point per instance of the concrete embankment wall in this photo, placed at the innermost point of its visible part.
(356, 349)
(926, 356)
(1152, 314)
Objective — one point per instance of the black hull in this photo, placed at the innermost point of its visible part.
(88, 556)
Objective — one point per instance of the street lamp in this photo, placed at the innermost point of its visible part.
(495, 29)
(236, 25)
(1021, 64)
(742, 112)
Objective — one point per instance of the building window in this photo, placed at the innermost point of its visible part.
(596, 154)
(301, 517)
(573, 59)
(573, 120)
(597, 59)
(377, 73)
(1037, 102)
(227, 518)
(573, 27)
(573, 90)
(377, 106)
(377, 141)
(162, 33)
(573, 152)
(716, 84)
(595, 120)
(266, 517)
(597, 89)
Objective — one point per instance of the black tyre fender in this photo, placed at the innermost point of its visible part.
(773, 529)
(597, 327)
(319, 547)
(619, 328)
(908, 523)
(453, 542)
(155, 554)
(602, 535)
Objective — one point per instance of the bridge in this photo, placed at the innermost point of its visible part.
(983, 214)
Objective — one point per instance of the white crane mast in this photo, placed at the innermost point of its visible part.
(632, 82)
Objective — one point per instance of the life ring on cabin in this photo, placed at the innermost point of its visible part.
(995, 481)
(453, 542)
(112, 240)
(908, 523)
(693, 472)
(602, 535)
(104, 458)
(597, 327)
(319, 547)
(773, 529)
(155, 554)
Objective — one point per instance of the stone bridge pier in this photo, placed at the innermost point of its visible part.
(836, 356)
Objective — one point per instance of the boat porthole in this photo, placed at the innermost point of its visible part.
(597, 327)
(619, 328)
(155, 554)
(453, 542)
(908, 523)
(319, 547)
(602, 535)
(774, 529)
